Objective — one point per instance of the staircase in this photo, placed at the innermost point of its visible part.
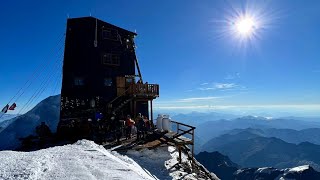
(121, 105)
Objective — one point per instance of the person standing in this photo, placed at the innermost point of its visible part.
(140, 127)
(129, 125)
(147, 123)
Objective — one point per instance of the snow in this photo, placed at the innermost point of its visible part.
(87, 160)
(82, 160)
(299, 168)
(265, 170)
(162, 163)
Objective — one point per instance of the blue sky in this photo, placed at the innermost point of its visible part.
(183, 45)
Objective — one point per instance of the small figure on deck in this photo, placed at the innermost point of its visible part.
(129, 125)
(147, 123)
(140, 127)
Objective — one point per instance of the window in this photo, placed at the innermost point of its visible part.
(110, 34)
(78, 81)
(129, 80)
(115, 59)
(107, 82)
(111, 59)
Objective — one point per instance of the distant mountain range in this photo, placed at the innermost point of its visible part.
(211, 125)
(311, 135)
(4, 124)
(211, 129)
(225, 169)
(197, 118)
(4, 117)
(5, 120)
(46, 111)
(249, 149)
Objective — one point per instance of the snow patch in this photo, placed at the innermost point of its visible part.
(299, 168)
(265, 170)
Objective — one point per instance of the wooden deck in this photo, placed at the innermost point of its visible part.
(182, 140)
(171, 138)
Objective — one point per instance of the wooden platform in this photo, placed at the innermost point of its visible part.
(161, 138)
(179, 140)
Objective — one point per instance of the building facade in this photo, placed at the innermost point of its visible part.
(99, 73)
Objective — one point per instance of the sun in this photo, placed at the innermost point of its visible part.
(245, 26)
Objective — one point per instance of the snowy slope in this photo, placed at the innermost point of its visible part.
(82, 160)
(87, 160)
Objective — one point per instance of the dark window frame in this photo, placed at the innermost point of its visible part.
(112, 59)
(110, 34)
(79, 81)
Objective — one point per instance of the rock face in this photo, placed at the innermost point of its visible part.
(217, 163)
(297, 173)
(250, 150)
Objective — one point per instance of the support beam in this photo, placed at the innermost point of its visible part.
(151, 115)
(131, 108)
(180, 158)
(134, 109)
(138, 68)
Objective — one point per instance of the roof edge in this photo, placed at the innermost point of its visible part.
(91, 17)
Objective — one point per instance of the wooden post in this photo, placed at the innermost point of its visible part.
(131, 108)
(180, 158)
(134, 109)
(177, 128)
(151, 115)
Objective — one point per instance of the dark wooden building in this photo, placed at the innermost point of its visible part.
(99, 74)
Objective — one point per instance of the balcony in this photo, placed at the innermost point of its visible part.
(144, 90)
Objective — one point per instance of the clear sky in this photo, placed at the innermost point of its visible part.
(186, 46)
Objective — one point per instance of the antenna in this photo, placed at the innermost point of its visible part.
(90, 14)
(68, 15)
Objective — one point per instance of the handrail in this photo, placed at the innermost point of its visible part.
(124, 93)
(181, 132)
(184, 124)
(144, 89)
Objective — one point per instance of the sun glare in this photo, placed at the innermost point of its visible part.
(245, 26)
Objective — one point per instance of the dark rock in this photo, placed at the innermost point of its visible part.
(217, 163)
